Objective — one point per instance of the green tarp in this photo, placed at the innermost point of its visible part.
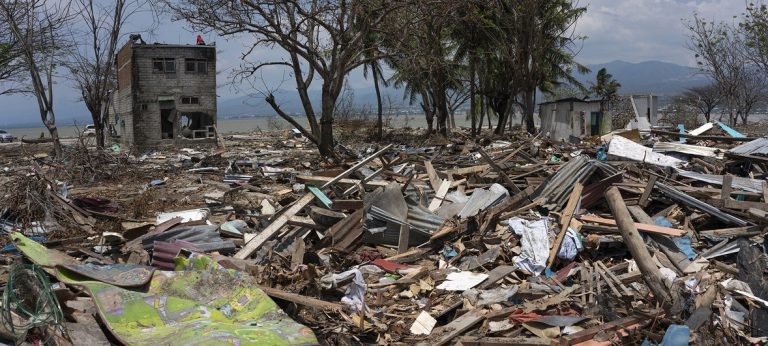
(202, 305)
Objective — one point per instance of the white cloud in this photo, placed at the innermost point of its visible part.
(641, 30)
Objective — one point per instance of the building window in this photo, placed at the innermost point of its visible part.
(144, 107)
(199, 66)
(164, 65)
(188, 100)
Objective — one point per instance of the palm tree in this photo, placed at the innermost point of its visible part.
(605, 87)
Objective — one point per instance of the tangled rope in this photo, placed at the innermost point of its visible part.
(28, 301)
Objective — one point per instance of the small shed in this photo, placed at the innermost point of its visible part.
(573, 117)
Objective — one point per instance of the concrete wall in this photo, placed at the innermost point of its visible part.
(139, 96)
(564, 119)
(646, 108)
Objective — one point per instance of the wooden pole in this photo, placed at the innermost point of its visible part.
(636, 246)
(565, 221)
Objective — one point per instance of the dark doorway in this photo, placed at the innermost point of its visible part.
(596, 118)
(167, 119)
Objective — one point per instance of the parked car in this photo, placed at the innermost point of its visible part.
(6, 136)
(90, 130)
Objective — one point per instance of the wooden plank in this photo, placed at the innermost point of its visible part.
(643, 202)
(565, 221)
(313, 179)
(747, 231)
(440, 196)
(725, 193)
(273, 228)
(765, 191)
(442, 232)
(469, 170)
(587, 334)
(434, 180)
(320, 196)
(736, 205)
(299, 299)
(498, 170)
(347, 204)
(448, 332)
(402, 242)
(356, 167)
(305, 222)
(502, 341)
(640, 226)
(612, 276)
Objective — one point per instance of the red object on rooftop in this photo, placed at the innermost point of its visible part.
(200, 40)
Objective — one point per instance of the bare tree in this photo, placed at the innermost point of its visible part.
(704, 98)
(12, 72)
(719, 53)
(37, 26)
(750, 92)
(91, 60)
(327, 38)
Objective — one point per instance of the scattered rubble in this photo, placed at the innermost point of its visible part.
(629, 238)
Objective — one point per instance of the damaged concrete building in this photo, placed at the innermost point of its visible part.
(577, 117)
(166, 94)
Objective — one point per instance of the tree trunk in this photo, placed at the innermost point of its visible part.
(472, 105)
(99, 124)
(57, 150)
(100, 137)
(426, 106)
(326, 123)
(442, 112)
(379, 109)
(488, 114)
(529, 100)
(482, 116)
(499, 107)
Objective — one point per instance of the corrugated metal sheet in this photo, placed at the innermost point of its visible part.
(663, 147)
(746, 184)
(682, 197)
(205, 237)
(388, 208)
(554, 192)
(627, 149)
(757, 147)
(482, 199)
(164, 253)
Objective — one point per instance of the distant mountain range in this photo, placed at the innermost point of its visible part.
(655, 77)
(650, 77)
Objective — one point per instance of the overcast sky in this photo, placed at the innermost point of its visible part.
(629, 30)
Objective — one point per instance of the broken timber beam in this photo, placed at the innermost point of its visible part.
(498, 169)
(273, 228)
(640, 226)
(637, 248)
(300, 300)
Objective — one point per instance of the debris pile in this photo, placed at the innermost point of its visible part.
(630, 238)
